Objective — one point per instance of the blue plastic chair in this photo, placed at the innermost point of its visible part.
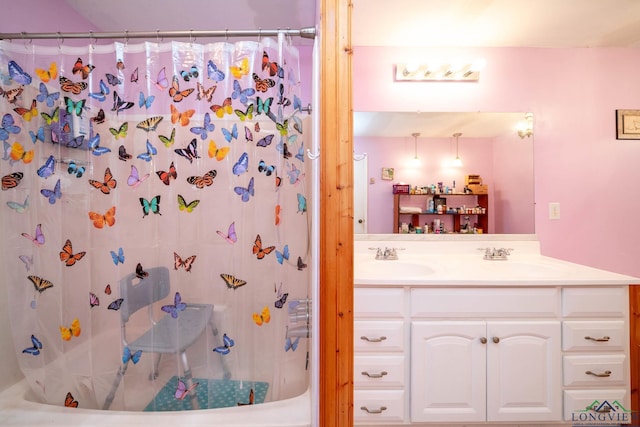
(167, 335)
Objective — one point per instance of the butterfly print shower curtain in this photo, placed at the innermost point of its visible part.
(126, 157)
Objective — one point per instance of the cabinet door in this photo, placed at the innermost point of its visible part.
(448, 371)
(524, 371)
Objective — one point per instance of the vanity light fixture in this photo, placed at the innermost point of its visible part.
(525, 128)
(440, 71)
(457, 162)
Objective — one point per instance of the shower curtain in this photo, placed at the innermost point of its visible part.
(124, 157)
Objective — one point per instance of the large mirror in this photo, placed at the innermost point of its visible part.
(420, 149)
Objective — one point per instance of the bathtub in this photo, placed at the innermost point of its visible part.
(20, 403)
(16, 409)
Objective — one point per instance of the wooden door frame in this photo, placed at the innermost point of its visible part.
(336, 225)
(634, 345)
(336, 216)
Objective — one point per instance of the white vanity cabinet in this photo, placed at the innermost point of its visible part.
(595, 342)
(485, 371)
(380, 359)
(493, 354)
(490, 354)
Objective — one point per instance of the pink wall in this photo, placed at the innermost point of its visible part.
(37, 16)
(578, 162)
(513, 185)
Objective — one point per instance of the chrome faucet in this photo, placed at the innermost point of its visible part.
(387, 254)
(496, 254)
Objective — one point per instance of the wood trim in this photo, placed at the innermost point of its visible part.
(336, 216)
(634, 345)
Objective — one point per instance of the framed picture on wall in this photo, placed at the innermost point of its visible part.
(387, 173)
(627, 124)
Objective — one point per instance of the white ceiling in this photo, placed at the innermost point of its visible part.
(493, 23)
(173, 15)
(533, 23)
(539, 23)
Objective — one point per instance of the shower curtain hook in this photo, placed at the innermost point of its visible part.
(60, 40)
(191, 38)
(92, 44)
(359, 157)
(226, 34)
(313, 156)
(126, 38)
(158, 35)
(259, 35)
(22, 34)
(289, 38)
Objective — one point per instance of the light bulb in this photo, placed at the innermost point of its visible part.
(454, 67)
(478, 64)
(410, 67)
(432, 66)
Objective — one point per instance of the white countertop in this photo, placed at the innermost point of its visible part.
(458, 261)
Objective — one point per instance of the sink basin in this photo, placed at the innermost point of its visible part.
(391, 269)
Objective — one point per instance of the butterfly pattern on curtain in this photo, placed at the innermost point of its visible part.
(128, 157)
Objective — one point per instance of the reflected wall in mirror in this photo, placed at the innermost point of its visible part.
(489, 146)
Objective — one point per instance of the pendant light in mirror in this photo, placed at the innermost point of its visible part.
(457, 162)
(415, 162)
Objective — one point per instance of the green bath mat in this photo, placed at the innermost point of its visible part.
(211, 394)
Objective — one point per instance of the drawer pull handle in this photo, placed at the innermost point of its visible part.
(604, 374)
(373, 339)
(603, 339)
(380, 375)
(374, 411)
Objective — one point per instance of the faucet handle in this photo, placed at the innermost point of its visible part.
(378, 252)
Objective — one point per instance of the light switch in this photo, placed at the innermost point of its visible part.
(554, 210)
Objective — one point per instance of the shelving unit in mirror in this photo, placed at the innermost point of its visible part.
(453, 212)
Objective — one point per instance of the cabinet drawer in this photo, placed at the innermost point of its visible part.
(603, 302)
(605, 335)
(589, 370)
(486, 302)
(580, 406)
(378, 302)
(378, 406)
(378, 371)
(378, 335)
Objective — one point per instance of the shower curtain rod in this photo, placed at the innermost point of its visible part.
(307, 33)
